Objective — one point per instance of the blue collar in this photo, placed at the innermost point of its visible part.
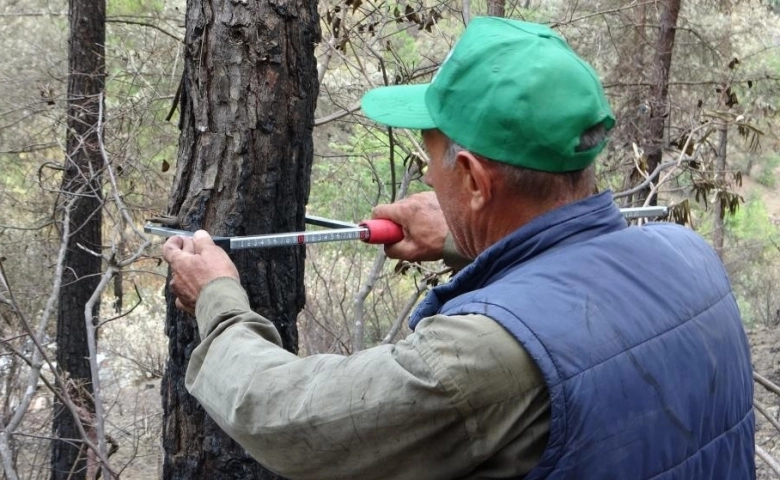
(573, 223)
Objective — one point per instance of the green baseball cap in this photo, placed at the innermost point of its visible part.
(510, 91)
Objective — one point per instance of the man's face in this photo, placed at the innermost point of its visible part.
(436, 145)
(448, 183)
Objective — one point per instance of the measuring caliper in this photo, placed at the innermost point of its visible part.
(376, 231)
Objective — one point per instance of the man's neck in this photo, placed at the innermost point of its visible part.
(509, 214)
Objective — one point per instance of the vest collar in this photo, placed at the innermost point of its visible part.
(573, 223)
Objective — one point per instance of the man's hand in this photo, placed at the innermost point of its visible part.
(424, 227)
(195, 261)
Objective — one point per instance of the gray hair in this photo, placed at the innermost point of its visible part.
(545, 185)
(591, 138)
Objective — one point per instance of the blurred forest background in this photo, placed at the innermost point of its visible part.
(695, 85)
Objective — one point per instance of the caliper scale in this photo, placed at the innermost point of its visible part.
(376, 231)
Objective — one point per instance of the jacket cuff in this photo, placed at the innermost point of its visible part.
(219, 300)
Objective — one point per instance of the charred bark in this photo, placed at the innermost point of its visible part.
(245, 152)
(82, 184)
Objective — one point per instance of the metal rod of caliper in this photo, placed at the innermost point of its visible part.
(376, 231)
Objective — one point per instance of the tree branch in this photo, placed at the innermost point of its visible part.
(145, 24)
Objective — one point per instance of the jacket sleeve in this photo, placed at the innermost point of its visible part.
(432, 404)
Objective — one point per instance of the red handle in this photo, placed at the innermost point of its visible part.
(383, 231)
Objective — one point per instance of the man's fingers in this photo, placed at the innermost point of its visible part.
(402, 250)
(172, 249)
(380, 211)
(188, 245)
(396, 212)
(201, 239)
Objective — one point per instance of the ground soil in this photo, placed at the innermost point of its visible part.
(765, 347)
(768, 195)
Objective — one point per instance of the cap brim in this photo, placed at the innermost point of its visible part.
(401, 106)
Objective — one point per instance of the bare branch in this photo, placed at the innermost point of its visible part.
(399, 320)
(763, 411)
(600, 13)
(40, 353)
(654, 187)
(335, 116)
(766, 383)
(768, 459)
(145, 24)
(647, 180)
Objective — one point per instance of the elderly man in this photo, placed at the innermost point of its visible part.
(571, 346)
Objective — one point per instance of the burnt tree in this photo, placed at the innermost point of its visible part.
(81, 191)
(248, 95)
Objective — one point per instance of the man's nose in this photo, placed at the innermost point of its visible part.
(427, 177)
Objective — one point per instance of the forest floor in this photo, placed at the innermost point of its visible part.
(768, 195)
(765, 348)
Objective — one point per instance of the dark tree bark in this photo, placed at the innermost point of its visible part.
(245, 152)
(496, 8)
(659, 91)
(82, 184)
(633, 110)
(720, 208)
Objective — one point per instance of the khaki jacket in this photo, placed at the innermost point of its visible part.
(457, 399)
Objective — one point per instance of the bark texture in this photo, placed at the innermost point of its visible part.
(247, 112)
(496, 8)
(82, 184)
(659, 91)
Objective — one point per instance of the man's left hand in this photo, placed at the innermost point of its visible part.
(195, 261)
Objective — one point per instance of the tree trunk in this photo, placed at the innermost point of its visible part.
(721, 203)
(245, 153)
(496, 8)
(720, 173)
(634, 115)
(659, 91)
(83, 163)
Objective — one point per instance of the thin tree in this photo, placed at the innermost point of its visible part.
(659, 90)
(248, 95)
(496, 8)
(82, 180)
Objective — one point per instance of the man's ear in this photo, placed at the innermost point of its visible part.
(477, 178)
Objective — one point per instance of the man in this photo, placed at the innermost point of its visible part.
(571, 346)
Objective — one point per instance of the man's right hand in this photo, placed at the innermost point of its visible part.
(195, 261)
(424, 227)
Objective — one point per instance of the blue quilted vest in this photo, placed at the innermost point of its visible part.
(637, 334)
